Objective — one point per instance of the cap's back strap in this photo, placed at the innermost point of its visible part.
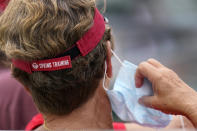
(85, 45)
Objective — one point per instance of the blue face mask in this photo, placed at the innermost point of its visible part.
(124, 99)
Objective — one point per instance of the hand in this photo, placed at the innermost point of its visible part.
(171, 94)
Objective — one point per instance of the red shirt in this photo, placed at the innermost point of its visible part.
(38, 121)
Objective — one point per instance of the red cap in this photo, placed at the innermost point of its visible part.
(84, 46)
(3, 4)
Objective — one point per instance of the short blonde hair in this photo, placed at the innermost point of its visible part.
(34, 30)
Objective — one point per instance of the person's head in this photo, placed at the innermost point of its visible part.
(35, 30)
(3, 4)
(3, 59)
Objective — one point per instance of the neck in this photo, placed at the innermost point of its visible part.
(94, 114)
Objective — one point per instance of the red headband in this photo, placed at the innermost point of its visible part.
(3, 4)
(85, 45)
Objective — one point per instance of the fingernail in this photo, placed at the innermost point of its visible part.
(140, 101)
(138, 84)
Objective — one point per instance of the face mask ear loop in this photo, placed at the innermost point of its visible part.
(182, 122)
(104, 78)
(117, 57)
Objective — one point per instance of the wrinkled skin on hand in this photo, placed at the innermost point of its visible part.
(171, 94)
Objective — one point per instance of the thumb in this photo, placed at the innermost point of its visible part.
(147, 101)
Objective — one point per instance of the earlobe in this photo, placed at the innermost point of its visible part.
(108, 60)
(11, 66)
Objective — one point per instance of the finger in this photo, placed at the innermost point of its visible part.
(147, 70)
(139, 76)
(155, 63)
(139, 79)
(147, 101)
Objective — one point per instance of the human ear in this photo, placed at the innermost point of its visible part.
(108, 59)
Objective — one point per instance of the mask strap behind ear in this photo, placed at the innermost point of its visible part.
(118, 58)
(104, 78)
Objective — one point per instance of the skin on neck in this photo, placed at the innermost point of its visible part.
(94, 114)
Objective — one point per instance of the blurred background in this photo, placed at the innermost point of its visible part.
(162, 29)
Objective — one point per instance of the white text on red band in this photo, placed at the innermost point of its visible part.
(50, 64)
